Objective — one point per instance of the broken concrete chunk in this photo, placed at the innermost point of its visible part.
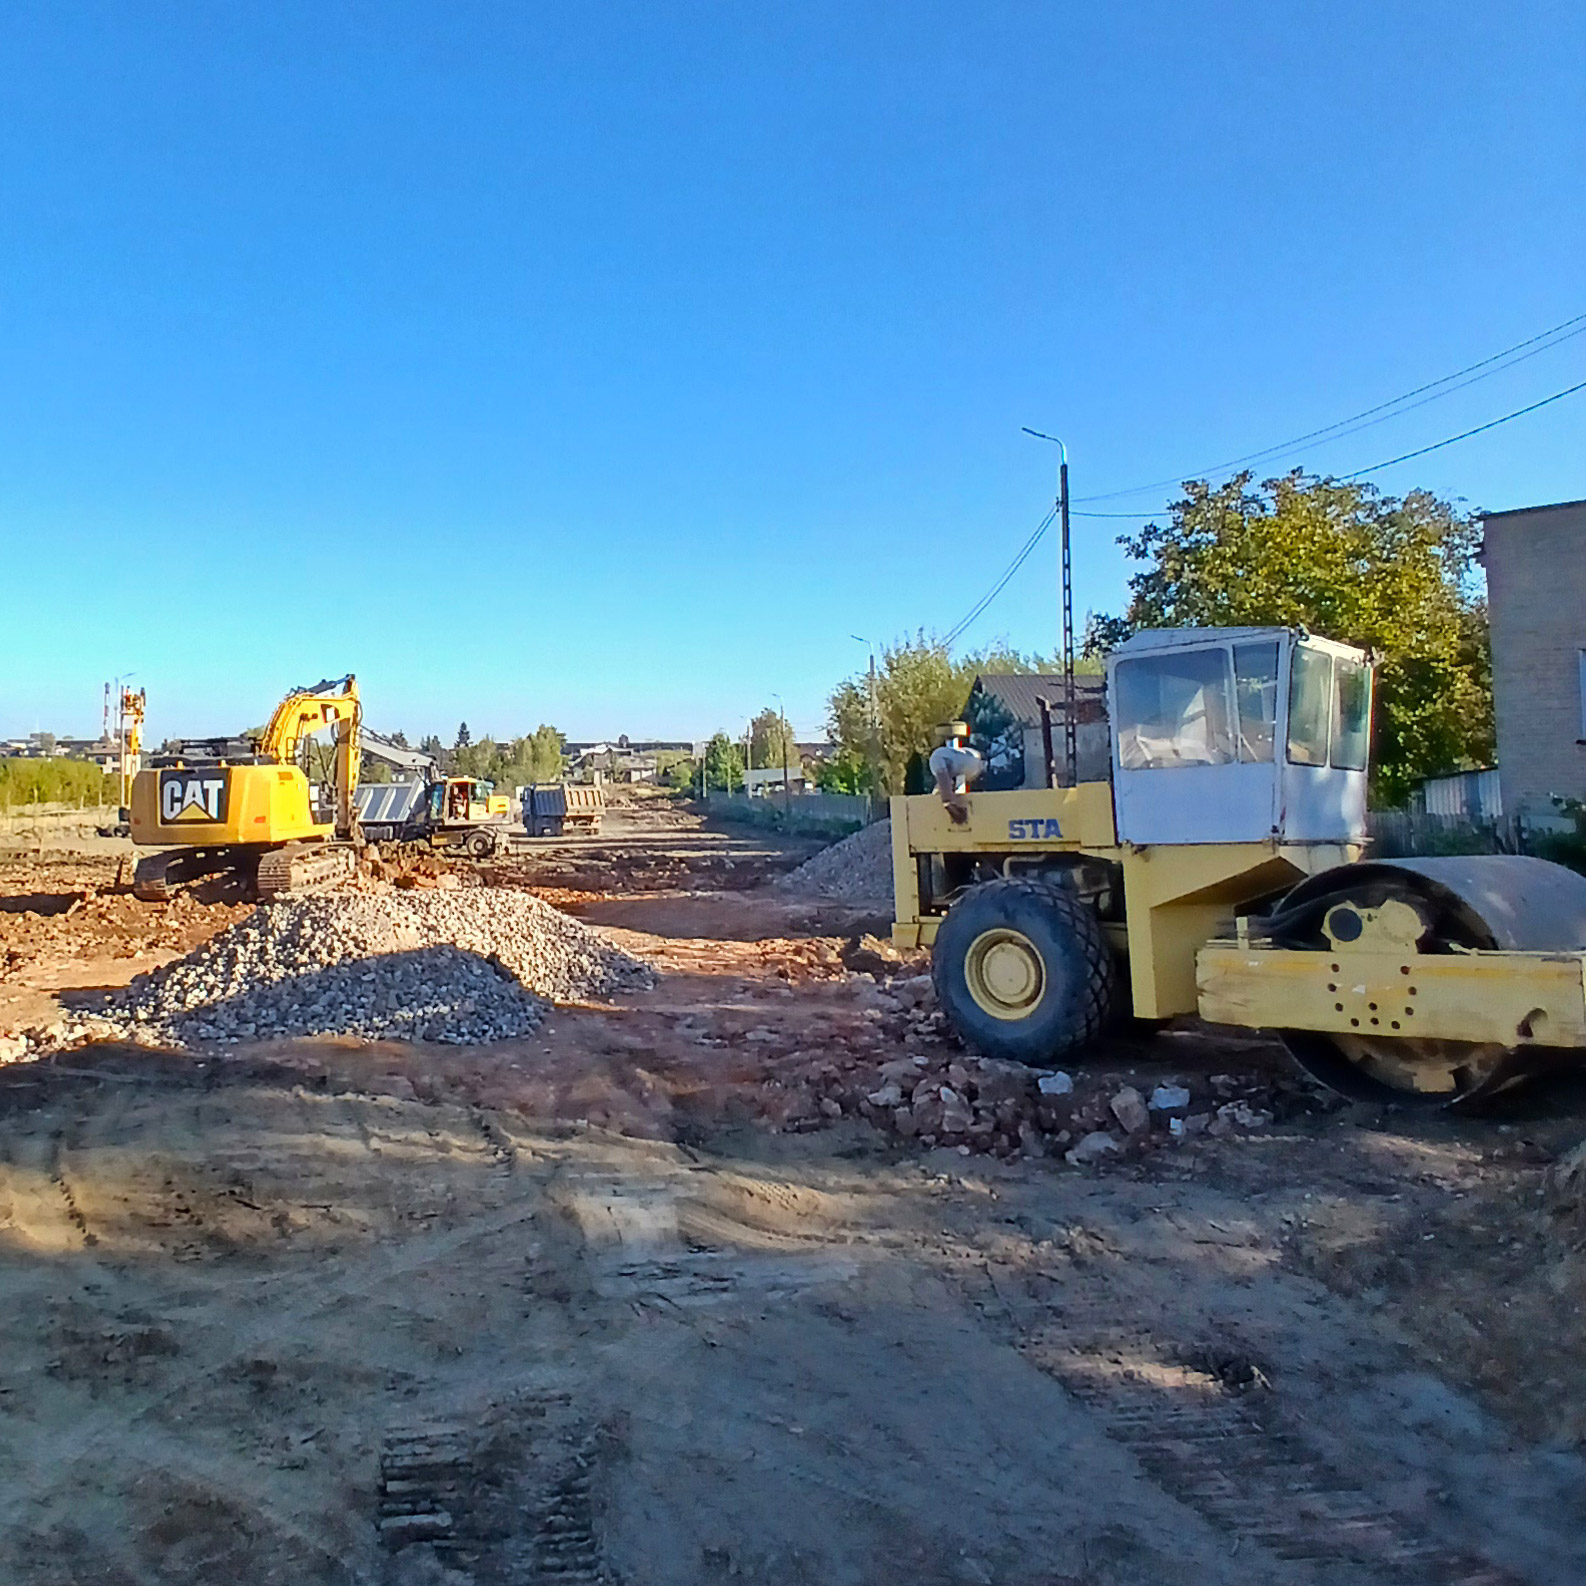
(1244, 1115)
(1170, 1098)
(1091, 1148)
(1128, 1107)
(1058, 1084)
(956, 1116)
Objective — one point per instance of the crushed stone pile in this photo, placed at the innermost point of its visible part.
(455, 967)
(856, 870)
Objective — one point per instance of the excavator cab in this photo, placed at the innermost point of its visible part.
(1238, 735)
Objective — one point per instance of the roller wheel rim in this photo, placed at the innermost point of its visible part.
(1405, 1072)
(1004, 973)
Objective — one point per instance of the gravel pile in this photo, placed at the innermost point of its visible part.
(456, 967)
(856, 870)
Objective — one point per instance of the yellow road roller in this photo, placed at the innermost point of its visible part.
(1223, 870)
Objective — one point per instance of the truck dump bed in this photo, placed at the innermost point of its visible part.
(552, 809)
(386, 810)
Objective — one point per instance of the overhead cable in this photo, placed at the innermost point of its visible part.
(1465, 435)
(1544, 341)
(996, 589)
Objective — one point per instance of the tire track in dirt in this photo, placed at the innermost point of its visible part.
(1167, 1379)
(296, 1306)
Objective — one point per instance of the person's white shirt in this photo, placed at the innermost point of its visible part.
(958, 761)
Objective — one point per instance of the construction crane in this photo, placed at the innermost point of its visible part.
(1223, 871)
(216, 806)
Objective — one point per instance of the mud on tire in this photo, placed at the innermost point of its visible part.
(1034, 952)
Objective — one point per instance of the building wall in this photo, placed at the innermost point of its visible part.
(1536, 590)
(1093, 750)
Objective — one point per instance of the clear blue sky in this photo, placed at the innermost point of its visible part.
(611, 364)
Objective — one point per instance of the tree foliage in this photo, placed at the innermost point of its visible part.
(723, 763)
(919, 685)
(537, 757)
(769, 737)
(56, 780)
(1394, 575)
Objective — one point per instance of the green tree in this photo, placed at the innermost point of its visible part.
(769, 737)
(676, 769)
(543, 754)
(1396, 575)
(847, 771)
(723, 763)
(919, 685)
(463, 738)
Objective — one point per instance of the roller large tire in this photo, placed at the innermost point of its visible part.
(1024, 971)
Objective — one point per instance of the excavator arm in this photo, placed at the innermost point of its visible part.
(332, 703)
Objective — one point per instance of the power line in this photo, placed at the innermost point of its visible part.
(1029, 545)
(1492, 424)
(1403, 457)
(1018, 561)
(1559, 333)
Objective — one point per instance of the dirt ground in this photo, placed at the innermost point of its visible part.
(649, 1297)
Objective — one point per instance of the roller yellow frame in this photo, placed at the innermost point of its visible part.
(1175, 899)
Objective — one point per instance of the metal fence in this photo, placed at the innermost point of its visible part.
(1404, 834)
(815, 812)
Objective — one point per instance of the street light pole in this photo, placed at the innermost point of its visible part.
(1070, 726)
(874, 756)
(787, 790)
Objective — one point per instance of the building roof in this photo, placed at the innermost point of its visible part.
(1524, 512)
(1020, 693)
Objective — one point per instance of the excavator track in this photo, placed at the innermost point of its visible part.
(159, 875)
(305, 867)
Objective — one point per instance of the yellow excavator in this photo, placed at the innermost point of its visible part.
(235, 805)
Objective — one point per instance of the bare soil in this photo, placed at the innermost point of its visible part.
(625, 1302)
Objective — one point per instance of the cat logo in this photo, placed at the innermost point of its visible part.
(191, 797)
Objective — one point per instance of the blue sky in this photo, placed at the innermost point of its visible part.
(612, 364)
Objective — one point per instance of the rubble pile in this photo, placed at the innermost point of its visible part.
(939, 1095)
(458, 967)
(856, 870)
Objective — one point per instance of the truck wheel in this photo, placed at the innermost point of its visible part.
(1024, 971)
(481, 844)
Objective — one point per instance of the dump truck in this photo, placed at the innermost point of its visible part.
(458, 812)
(555, 809)
(1224, 871)
(246, 807)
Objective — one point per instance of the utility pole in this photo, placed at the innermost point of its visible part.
(787, 790)
(1070, 725)
(873, 758)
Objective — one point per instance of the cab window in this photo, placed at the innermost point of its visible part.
(1310, 705)
(1351, 714)
(1176, 709)
(1256, 693)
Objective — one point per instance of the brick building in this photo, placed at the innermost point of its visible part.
(1536, 590)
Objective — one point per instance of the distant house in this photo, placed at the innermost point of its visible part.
(769, 779)
(1536, 600)
(607, 762)
(1471, 795)
(1004, 716)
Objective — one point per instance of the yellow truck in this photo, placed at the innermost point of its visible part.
(460, 813)
(1222, 870)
